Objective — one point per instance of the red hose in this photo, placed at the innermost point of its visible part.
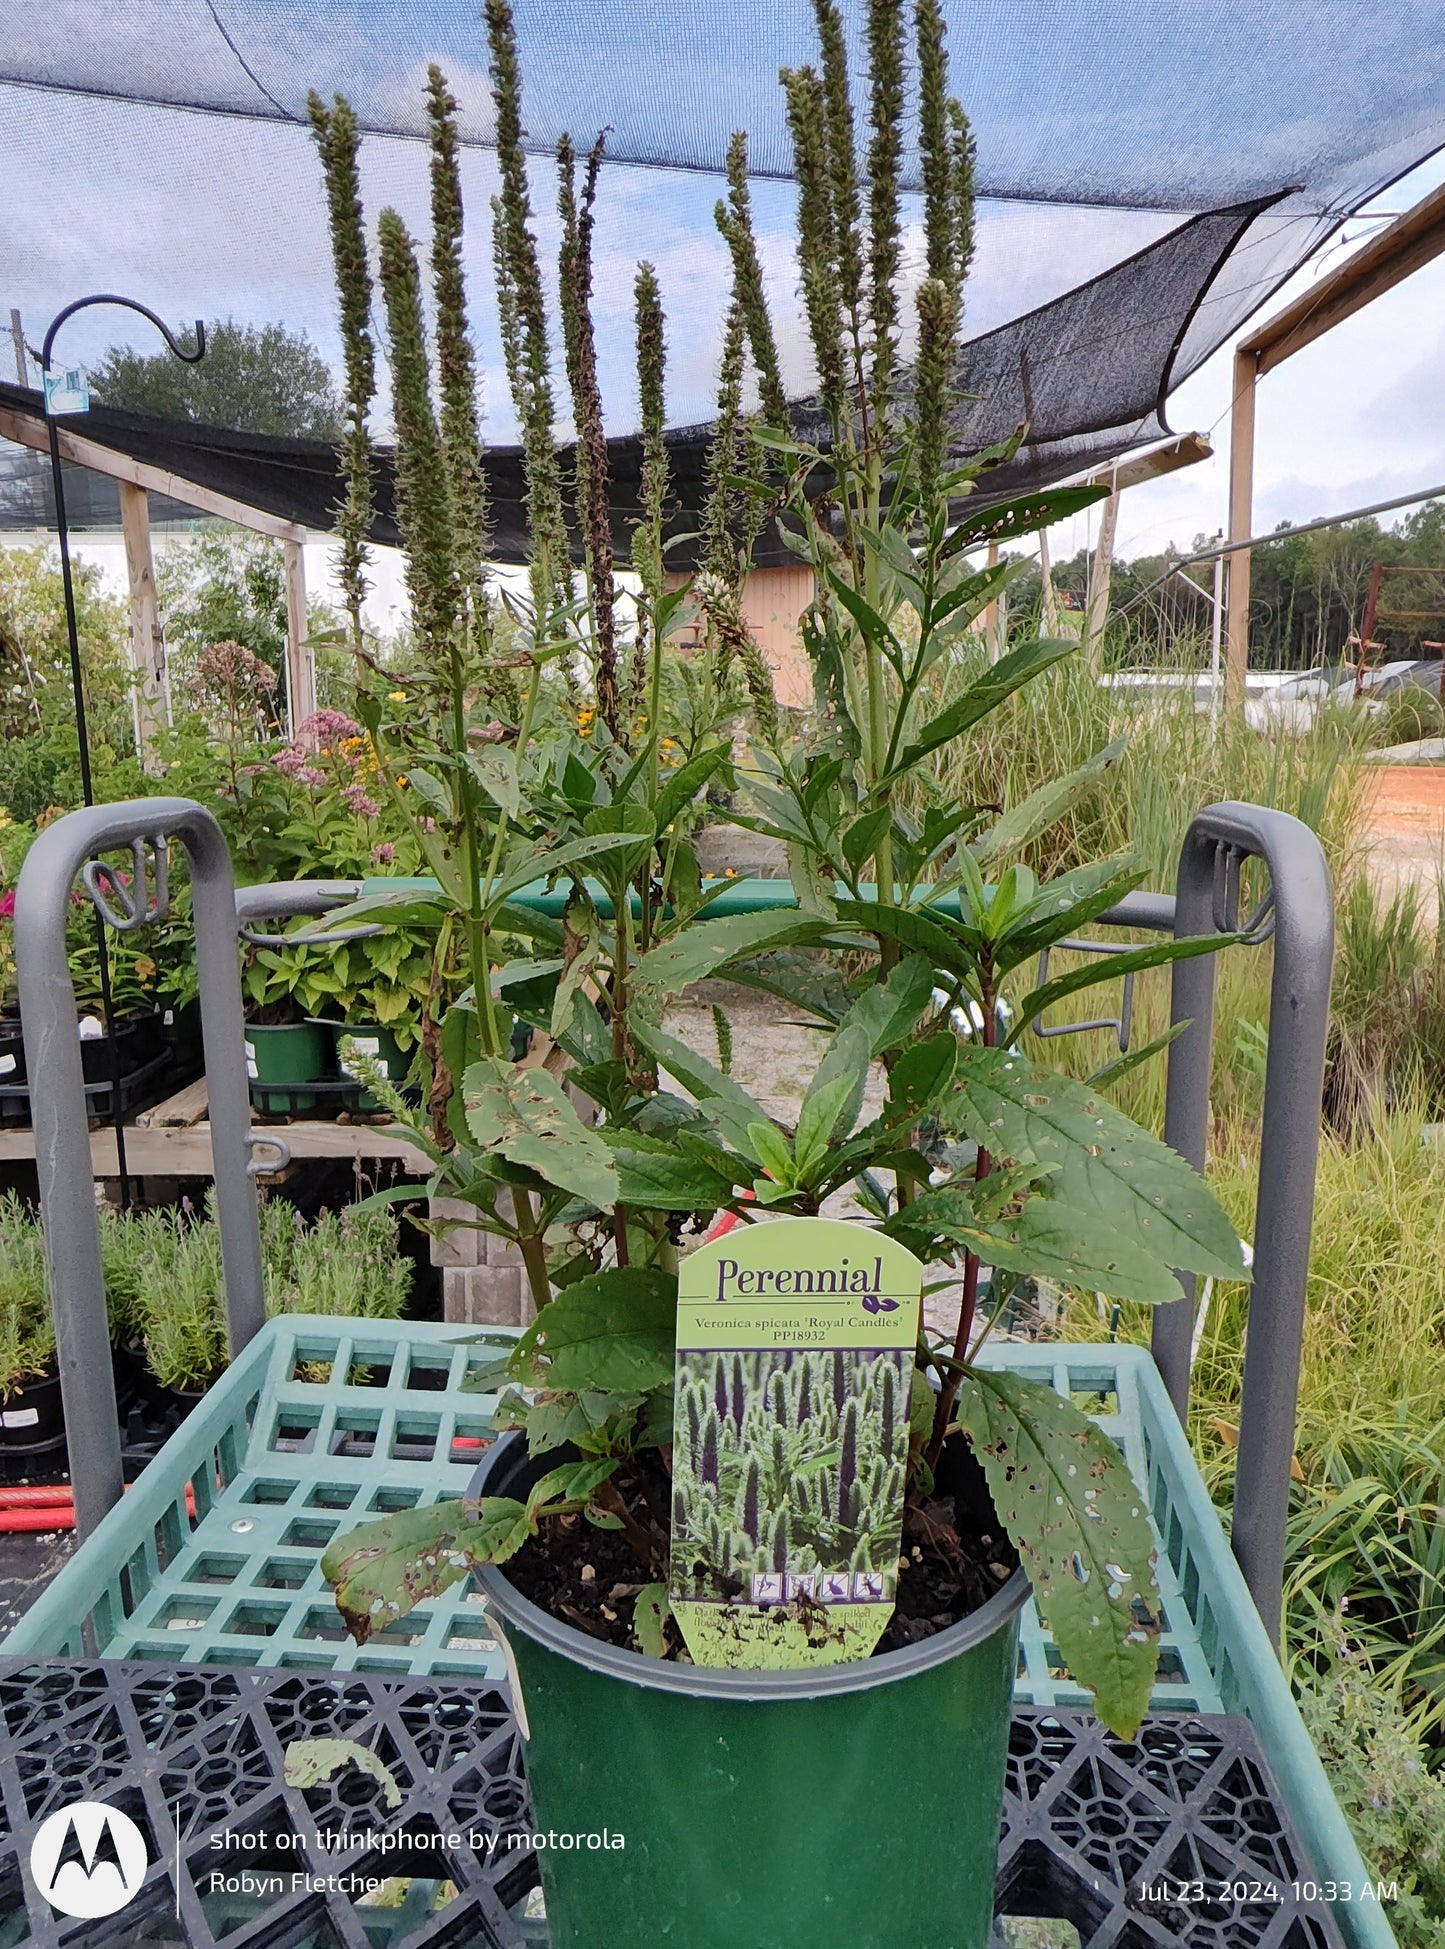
(49, 1506)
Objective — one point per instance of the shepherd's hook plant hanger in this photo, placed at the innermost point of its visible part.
(77, 680)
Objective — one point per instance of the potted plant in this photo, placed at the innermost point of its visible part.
(761, 1805)
(32, 1420)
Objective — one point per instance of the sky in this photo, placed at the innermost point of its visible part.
(203, 214)
(1356, 417)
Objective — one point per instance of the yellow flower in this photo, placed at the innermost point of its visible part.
(397, 696)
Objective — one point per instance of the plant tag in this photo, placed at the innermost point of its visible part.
(7, 1064)
(20, 1418)
(251, 1070)
(67, 390)
(795, 1342)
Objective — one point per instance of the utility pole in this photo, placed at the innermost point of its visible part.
(17, 333)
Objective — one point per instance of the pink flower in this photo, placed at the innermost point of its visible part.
(361, 803)
(324, 728)
(7, 905)
(290, 762)
(382, 855)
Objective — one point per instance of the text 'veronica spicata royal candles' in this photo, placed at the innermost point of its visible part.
(795, 1341)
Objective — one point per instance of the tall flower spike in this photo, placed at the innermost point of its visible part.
(804, 92)
(842, 166)
(594, 513)
(933, 141)
(961, 160)
(933, 381)
(724, 459)
(529, 368)
(885, 60)
(735, 220)
(456, 363)
(423, 499)
(647, 555)
(338, 143)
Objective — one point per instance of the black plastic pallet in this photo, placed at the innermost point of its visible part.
(1094, 1827)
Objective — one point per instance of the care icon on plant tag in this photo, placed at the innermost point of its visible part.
(790, 1441)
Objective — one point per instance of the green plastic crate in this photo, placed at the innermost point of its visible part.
(214, 1556)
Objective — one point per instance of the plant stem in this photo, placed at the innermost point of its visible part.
(968, 1304)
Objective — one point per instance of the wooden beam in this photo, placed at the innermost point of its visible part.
(28, 432)
(1241, 513)
(167, 1152)
(1411, 241)
(300, 657)
(150, 695)
(1187, 451)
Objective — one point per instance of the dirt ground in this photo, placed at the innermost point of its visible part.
(1406, 830)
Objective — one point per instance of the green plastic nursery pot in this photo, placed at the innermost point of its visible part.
(294, 1052)
(855, 1804)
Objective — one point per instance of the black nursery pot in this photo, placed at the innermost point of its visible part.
(855, 1803)
(32, 1420)
(139, 1039)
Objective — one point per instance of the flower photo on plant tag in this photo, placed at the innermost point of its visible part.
(790, 1441)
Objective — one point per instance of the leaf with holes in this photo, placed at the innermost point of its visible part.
(614, 1330)
(527, 1116)
(308, 1762)
(1064, 1493)
(1106, 1165)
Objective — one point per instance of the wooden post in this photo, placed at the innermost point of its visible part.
(150, 697)
(989, 619)
(300, 658)
(1096, 608)
(1050, 603)
(1241, 515)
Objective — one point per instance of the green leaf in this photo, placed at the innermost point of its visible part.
(307, 1762)
(700, 950)
(1042, 808)
(728, 1102)
(382, 1570)
(649, 1619)
(861, 839)
(1111, 967)
(495, 770)
(873, 628)
(773, 1152)
(922, 1075)
(819, 1119)
(921, 933)
(533, 865)
(1079, 1522)
(614, 1331)
(685, 784)
(431, 788)
(527, 1116)
(1006, 676)
(1024, 516)
(1106, 1165)
(1118, 1066)
(1048, 1240)
(654, 1173)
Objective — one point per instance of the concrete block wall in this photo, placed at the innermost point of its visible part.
(483, 1279)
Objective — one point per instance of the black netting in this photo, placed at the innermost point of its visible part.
(1147, 179)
